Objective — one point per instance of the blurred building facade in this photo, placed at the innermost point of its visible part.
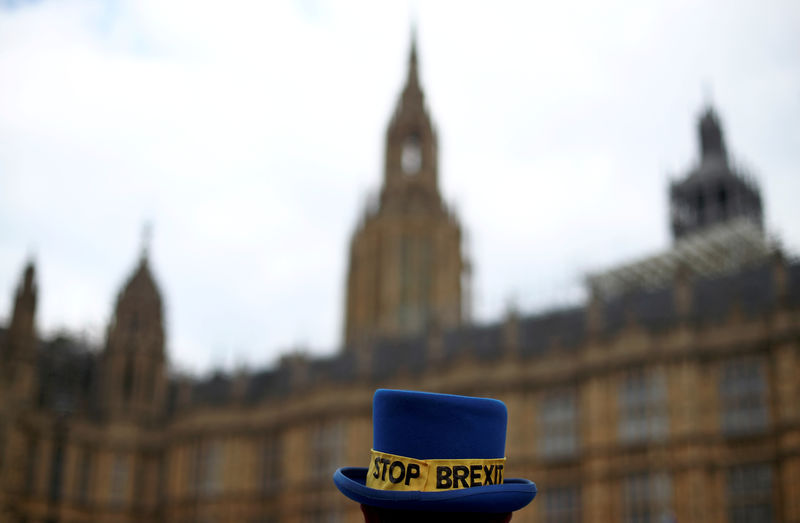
(670, 395)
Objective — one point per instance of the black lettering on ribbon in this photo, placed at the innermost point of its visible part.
(412, 471)
(487, 474)
(475, 476)
(385, 462)
(460, 474)
(398, 479)
(377, 466)
(443, 480)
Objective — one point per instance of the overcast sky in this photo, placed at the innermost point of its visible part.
(250, 135)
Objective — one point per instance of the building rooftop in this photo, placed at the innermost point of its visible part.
(69, 378)
(722, 249)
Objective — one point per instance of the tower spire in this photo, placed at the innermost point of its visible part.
(18, 350)
(709, 129)
(413, 75)
(147, 238)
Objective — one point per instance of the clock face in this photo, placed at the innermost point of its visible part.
(411, 156)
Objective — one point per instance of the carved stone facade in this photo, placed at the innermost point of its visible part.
(675, 403)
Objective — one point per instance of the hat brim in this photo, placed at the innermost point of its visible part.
(512, 495)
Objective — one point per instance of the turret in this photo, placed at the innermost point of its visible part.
(19, 354)
(714, 192)
(134, 357)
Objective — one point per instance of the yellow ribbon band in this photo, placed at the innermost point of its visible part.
(391, 472)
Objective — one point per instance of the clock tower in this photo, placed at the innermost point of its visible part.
(406, 266)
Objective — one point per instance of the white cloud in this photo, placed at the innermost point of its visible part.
(251, 132)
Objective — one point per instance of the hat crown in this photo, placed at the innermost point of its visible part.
(424, 425)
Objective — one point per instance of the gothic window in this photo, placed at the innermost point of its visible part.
(415, 281)
(163, 471)
(31, 465)
(139, 479)
(743, 396)
(127, 380)
(424, 269)
(119, 480)
(149, 383)
(562, 504)
(647, 497)
(209, 468)
(722, 199)
(701, 208)
(271, 463)
(327, 447)
(56, 469)
(749, 493)
(83, 476)
(643, 407)
(681, 212)
(406, 270)
(2, 447)
(558, 424)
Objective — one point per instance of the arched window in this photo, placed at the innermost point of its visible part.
(127, 380)
(701, 208)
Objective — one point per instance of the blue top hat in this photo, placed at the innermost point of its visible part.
(436, 452)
